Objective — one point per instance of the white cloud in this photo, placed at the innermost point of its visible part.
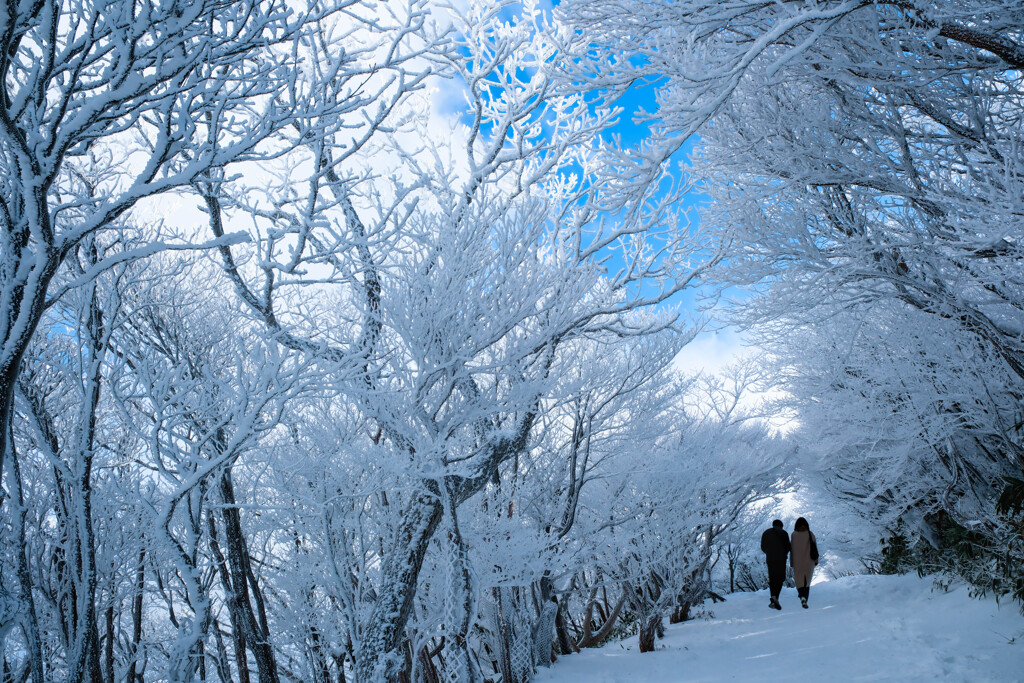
(711, 352)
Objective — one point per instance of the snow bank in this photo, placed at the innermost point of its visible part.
(859, 628)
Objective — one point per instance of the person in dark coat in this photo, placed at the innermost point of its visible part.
(775, 546)
(804, 558)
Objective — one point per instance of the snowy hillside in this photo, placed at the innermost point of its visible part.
(860, 628)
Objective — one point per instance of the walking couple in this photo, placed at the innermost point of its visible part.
(802, 549)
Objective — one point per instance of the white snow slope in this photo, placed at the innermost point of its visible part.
(858, 628)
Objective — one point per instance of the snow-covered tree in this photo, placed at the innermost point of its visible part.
(109, 103)
(863, 160)
(400, 403)
(450, 290)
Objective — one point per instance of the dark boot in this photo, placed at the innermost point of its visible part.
(804, 593)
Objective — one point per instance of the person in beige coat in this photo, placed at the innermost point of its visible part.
(803, 558)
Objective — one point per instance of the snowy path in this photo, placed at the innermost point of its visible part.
(862, 628)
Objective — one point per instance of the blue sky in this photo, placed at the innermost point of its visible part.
(712, 349)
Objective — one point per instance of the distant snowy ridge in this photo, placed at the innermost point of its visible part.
(859, 628)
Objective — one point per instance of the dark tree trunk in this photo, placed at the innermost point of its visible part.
(35, 652)
(681, 613)
(134, 673)
(427, 668)
(339, 666)
(24, 309)
(649, 629)
(590, 639)
(108, 643)
(256, 633)
(566, 644)
(504, 639)
(399, 576)
(223, 666)
(317, 657)
(85, 664)
(234, 609)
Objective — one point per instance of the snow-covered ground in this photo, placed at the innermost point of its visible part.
(858, 628)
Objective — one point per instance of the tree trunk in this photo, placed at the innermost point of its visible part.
(566, 644)
(317, 657)
(428, 670)
(24, 297)
(648, 630)
(85, 658)
(223, 667)
(134, 673)
(378, 653)
(232, 597)
(504, 637)
(108, 643)
(31, 622)
(339, 666)
(462, 605)
(681, 613)
(593, 640)
(256, 634)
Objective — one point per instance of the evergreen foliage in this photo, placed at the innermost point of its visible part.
(992, 561)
